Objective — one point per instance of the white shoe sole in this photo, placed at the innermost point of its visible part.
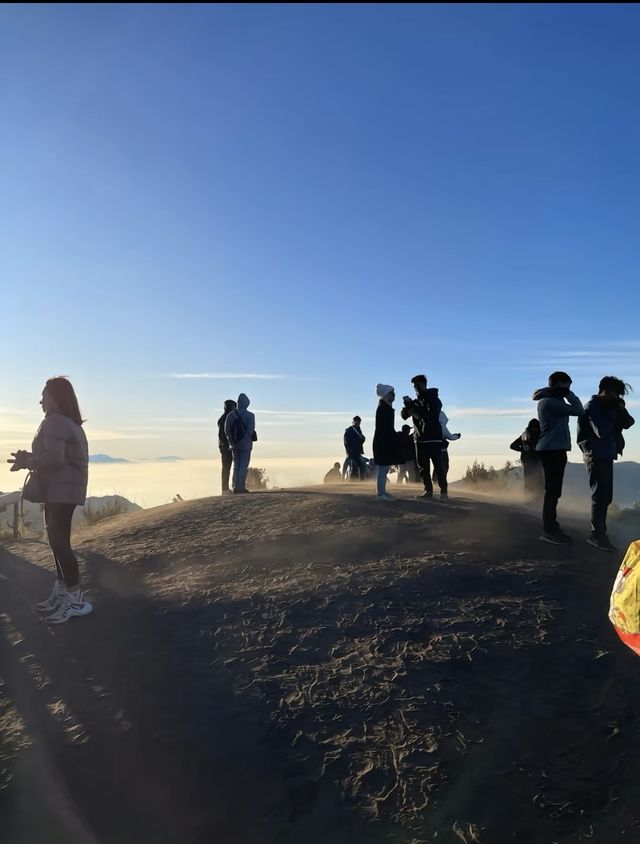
(74, 612)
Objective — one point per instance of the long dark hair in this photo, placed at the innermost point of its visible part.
(616, 385)
(62, 392)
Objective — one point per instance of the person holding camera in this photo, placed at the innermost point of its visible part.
(58, 465)
(427, 432)
(556, 403)
(600, 438)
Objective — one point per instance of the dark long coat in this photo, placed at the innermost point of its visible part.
(386, 444)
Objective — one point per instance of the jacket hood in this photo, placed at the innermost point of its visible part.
(243, 401)
(543, 393)
(430, 391)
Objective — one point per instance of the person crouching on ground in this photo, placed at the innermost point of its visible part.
(556, 403)
(526, 444)
(333, 476)
(600, 437)
(59, 466)
(223, 444)
(240, 430)
(385, 439)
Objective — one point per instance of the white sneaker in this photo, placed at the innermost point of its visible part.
(385, 497)
(53, 601)
(72, 604)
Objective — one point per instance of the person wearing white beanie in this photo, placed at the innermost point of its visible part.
(386, 446)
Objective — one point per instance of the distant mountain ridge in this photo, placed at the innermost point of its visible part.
(107, 458)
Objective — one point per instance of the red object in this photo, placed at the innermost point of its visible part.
(631, 640)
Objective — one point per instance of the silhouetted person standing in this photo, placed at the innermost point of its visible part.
(600, 437)
(354, 446)
(427, 431)
(526, 444)
(59, 470)
(240, 430)
(385, 439)
(408, 469)
(225, 449)
(556, 403)
(447, 437)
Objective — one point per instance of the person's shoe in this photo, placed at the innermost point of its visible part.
(602, 543)
(428, 495)
(226, 492)
(557, 537)
(53, 601)
(444, 496)
(72, 604)
(385, 497)
(240, 491)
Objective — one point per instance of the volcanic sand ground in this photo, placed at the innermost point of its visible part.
(317, 666)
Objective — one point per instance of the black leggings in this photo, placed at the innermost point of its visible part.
(57, 518)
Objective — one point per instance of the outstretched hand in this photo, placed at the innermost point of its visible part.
(19, 460)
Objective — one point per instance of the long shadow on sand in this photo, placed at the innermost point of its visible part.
(458, 693)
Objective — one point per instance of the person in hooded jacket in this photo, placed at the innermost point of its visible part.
(223, 444)
(600, 438)
(447, 437)
(240, 431)
(59, 466)
(526, 444)
(427, 432)
(386, 448)
(556, 403)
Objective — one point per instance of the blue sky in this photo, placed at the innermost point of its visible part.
(336, 195)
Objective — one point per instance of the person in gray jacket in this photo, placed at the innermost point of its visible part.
(240, 430)
(556, 403)
(59, 466)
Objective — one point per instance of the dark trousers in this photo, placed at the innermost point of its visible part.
(57, 519)
(227, 460)
(445, 466)
(426, 454)
(553, 465)
(357, 465)
(601, 483)
(533, 478)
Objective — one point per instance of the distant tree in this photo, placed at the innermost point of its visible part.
(257, 479)
(478, 473)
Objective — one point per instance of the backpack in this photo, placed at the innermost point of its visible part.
(238, 428)
(624, 610)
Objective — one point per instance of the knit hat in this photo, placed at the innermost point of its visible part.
(383, 390)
